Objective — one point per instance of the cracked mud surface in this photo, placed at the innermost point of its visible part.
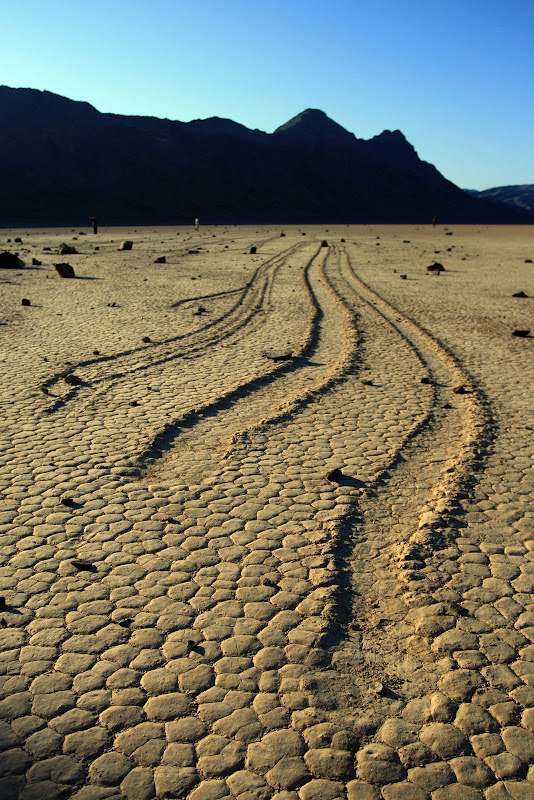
(269, 552)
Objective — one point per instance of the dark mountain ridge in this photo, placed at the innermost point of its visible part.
(519, 197)
(63, 161)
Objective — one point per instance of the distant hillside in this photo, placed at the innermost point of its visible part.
(62, 161)
(520, 198)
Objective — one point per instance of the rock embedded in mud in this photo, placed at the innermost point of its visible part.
(64, 270)
(126, 245)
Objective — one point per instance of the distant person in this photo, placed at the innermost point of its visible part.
(197, 223)
(93, 223)
(434, 221)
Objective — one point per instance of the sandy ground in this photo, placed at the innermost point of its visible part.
(262, 547)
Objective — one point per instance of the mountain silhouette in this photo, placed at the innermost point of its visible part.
(62, 161)
(519, 197)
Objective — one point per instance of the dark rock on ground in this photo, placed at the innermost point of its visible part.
(252, 251)
(436, 267)
(82, 565)
(460, 390)
(65, 249)
(519, 294)
(10, 261)
(126, 245)
(36, 262)
(146, 339)
(25, 302)
(64, 270)
(72, 380)
(278, 355)
(334, 475)
(522, 333)
(160, 260)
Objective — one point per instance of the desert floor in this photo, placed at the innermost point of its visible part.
(263, 547)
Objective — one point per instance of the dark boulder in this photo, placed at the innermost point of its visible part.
(64, 270)
(126, 245)
(10, 261)
(65, 249)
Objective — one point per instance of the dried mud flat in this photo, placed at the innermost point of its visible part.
(253, 543)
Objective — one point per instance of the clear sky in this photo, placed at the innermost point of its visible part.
(456, 76)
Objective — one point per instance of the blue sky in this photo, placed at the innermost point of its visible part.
(456, 76)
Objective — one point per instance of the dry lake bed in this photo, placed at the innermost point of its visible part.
(266, 514)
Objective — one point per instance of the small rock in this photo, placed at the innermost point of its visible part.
(72, 380)
(252, 251)
(278, 355)
(367, 382)
(527, 260)
(25, 302)
(146, 339)
(126, 245)
(160, 260)
(282, 235)
(324, 243)
(521, 332)
(3, 604)
(64, 270)
(67, 501)
(334, 475)
(425, 379)
(96, 352)
(36, 262)
(18, 239)
(460, 390)
(85, 566)
(403, 277)
(436, 267)
(519, 294)
(65, 249)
